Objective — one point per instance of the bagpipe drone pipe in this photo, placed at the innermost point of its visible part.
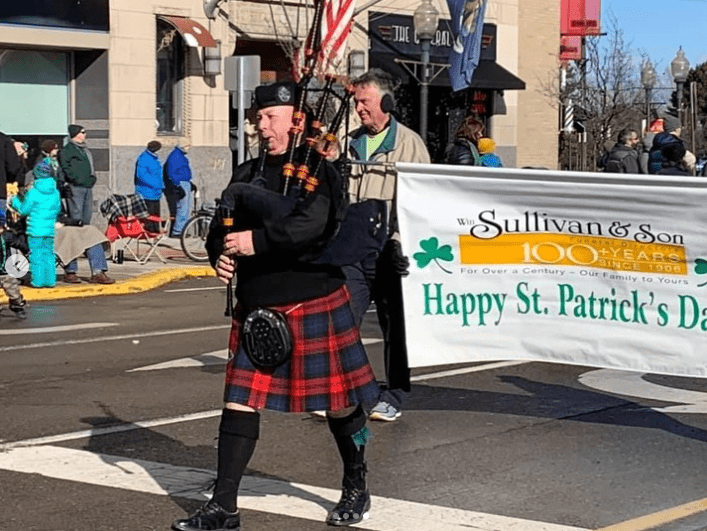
(248, 204)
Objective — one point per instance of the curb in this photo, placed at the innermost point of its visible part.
(138, 284)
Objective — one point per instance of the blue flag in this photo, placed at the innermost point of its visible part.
(467, 27)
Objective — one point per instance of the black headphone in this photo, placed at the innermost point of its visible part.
(387, 103)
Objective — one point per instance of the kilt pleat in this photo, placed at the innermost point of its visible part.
(328, 369)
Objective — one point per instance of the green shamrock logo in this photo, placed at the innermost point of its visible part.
(701, 269)
(432, 251)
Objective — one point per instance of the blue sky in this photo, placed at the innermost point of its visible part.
(660, 27)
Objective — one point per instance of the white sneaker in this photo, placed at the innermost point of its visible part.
(384, 411)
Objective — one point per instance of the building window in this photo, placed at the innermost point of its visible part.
(170, 79)
(34, 86)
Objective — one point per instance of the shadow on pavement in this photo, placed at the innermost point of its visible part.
(551, 401)
(190, 486)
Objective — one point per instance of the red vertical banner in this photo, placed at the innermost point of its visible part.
(580, 17)
(570, 48)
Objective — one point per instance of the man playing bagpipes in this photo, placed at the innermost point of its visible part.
(294, 344)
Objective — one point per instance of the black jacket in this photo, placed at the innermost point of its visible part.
(462, 152)
(622, 159)
(670, 168)
(281, 271)
(10, 165)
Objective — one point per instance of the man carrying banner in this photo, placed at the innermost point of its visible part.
(375, 259)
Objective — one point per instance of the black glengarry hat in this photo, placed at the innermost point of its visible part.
(275, 94)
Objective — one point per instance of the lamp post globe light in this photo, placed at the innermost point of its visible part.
(679, 67)
(648, 79)
(425, 20)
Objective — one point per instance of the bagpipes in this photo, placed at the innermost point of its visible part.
(245, 203)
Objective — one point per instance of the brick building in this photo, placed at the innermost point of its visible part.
(135, 70)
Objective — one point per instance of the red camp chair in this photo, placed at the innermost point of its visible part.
(128, 227)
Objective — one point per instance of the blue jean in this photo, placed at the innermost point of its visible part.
(96, 260)
(42, 262)
(3, 210)
(81, 203)
(183, 209)
(361, 281)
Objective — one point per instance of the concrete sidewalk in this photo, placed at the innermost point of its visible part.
(130, 276)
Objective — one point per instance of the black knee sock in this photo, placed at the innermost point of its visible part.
(351, 436)
(238, 433)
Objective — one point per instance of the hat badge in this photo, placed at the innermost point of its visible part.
(284, 94)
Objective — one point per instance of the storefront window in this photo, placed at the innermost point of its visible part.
(170, 79)
(34, 91)
(93, 15)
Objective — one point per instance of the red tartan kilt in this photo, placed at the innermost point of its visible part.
(328, 369)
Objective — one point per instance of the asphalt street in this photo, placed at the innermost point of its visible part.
(110, 410)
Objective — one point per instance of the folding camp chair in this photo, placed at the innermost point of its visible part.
(128, 219)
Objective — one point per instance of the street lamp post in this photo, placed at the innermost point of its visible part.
(679, 67)
(425, 19)
(648, 78)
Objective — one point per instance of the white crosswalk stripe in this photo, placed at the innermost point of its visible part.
(257, 494)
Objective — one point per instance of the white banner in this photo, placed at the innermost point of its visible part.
(589, 269)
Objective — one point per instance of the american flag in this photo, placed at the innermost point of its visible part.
(335, 29)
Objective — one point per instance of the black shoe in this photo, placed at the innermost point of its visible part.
(211, 517)
(352, 508)
(18, 308)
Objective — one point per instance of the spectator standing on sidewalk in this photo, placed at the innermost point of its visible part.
(671, 135)
(149, 182)
(464, 149)
(623, 157)
(41, 204)
(371, 252)
(76, 161)
(49, 160)
(178, 179)
(327, 367)
(10, 169)
(655, 127)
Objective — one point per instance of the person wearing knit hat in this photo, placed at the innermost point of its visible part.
(76, 161)
(149, 182)
(266, 256)
(486, 151)
(75, 130)
(41, 204)
(672, 124)
(672, 127)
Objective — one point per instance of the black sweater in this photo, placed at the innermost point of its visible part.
(281, 270)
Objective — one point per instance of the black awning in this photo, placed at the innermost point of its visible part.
(489, 75)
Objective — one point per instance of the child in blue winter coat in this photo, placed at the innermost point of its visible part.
(41, 205)
(488, 157)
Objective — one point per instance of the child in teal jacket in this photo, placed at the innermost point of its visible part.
(41, 205)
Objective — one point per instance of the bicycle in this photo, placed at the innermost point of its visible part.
(193, 237)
